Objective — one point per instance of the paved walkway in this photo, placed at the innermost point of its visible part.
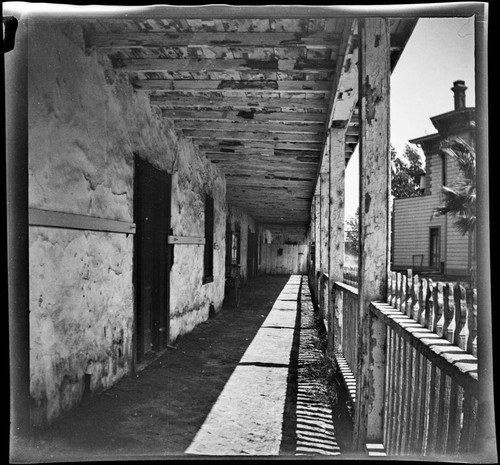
(231, 388)
(247, 418)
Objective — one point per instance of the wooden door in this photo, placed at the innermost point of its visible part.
(152, 194)
(252, 253)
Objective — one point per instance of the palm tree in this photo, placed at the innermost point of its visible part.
(460, 198)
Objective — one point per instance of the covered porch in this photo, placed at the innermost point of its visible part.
(276, 99)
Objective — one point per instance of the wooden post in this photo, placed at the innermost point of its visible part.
(336, 265)
(324, 234)
(16, 105)
(486, 435)
(312, 230)
(317, 259)
(374, 77)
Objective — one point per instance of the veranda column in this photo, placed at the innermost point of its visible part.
(374, 76)
(324, 234)
(312, 258)
(317, 242)
(336, 235)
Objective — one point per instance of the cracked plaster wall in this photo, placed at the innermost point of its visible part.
(85, 125)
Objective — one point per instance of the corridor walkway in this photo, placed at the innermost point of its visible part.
(231, 387)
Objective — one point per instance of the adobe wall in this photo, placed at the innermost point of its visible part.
(86, 124)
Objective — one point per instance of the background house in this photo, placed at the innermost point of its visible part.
(423, 242)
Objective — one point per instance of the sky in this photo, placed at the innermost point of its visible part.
(439, 51)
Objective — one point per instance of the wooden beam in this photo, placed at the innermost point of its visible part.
(257, 95)
(251, 125)
(64, 220)
(344, 93)
(274, 145)
(318, 40)
(374, 84)
(212, 135)
(250, 12)
(244, 103)
(186, 240)
(217, 64)
(208, 85)
(253, 114)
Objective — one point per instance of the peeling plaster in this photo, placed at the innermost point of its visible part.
(86, 125)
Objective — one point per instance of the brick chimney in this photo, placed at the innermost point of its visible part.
(459, 89)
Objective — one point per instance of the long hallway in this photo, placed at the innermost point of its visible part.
(237, 385)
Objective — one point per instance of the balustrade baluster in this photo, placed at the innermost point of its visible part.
(430, 313)
(409, 296)
(423, 298)
(409, 292)
(391, 297)
(439, 316)
(398, 292)
(415, 310)
(402, 306)
(450, 322)
(462, 332)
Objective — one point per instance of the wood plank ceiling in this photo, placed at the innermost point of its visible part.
(253, 94)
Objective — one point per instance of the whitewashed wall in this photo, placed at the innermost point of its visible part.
(86, 124)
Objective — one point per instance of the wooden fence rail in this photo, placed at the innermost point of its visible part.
(430, 392)
(346, 306)
(446, 309)
(351, 276)
(430, 400)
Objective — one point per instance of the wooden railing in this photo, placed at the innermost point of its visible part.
(446, 309)
(431, 389)
(351, 276)
(346, 307)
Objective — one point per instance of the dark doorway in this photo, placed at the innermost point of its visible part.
(252, 255)
(152, 191)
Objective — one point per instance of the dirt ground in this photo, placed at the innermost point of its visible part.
(157, 412)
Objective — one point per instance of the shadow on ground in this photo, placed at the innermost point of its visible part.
(157, 412)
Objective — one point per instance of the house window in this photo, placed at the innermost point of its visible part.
(434, 248)
(208, 258)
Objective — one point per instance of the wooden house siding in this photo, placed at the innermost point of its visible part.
(457, 251)
(411, 229)
(413, 220)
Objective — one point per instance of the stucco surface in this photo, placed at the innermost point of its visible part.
(77, 326)
(86, 126)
